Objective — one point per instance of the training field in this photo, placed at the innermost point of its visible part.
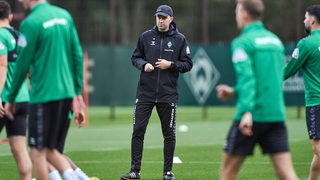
(102, 148)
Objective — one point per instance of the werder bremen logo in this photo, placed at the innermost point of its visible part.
(203, 76)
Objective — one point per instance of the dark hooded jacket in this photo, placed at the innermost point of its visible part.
(161, 85)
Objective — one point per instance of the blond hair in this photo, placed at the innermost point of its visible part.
(255, 8)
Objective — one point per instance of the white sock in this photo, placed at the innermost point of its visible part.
(54, 175)
(69, 175)
(81, 175)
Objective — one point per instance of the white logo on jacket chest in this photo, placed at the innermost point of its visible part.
(153, 42)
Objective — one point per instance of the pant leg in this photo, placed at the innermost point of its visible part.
(3, 121)
(167, 115)
(142, 113)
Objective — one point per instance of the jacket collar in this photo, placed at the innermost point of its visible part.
(252, 26)
(172, 29)
(315, 32)
(39, 5)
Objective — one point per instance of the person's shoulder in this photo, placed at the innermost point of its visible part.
(11, 29)
(31, 19)
(244, 41)
(3, 30)
(6, 39)
(305, 41)
(29, 23)
(60, 10)
(148, 33)
(5, 34)
(45, 9)
(270, 37)
(240, 40)
(252, 36)
(176, 32)
(180, 35)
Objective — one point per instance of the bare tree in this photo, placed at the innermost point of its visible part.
(112, 25)
(124, 21)
(81, 12)
(138, 17)
(298, 19)
(205, 22)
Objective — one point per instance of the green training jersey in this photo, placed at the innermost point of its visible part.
(258, 59)
(50, 50)
(8, 44)
(306, 57)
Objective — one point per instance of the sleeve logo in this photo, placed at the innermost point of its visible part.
(22, 41)
(239, 55)
(295, 53)
(2, 47)
(188, 50)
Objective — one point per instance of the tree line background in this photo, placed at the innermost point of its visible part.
(202, 21)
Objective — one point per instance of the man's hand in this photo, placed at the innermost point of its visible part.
(163, 64)
(224, 92)
(79, 119)
(10, 109)
(245, 125)
(148, 67)
(78, 106)
(2, 111)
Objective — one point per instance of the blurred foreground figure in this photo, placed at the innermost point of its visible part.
(49, 49)
(16, 128)
(258, 58)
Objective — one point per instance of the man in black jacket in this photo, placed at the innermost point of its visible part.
(161, 54)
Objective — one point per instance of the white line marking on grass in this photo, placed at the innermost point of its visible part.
(176, 160)
(5, 154)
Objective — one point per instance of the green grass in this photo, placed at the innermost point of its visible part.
(102, 148)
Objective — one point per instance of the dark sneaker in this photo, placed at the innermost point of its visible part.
(168, 176)
(131, 175)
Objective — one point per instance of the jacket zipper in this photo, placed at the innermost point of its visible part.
(158, 80)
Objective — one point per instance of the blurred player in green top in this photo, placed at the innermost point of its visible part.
(16, 129)
(306, 57)
(50, 50)
(258, 59)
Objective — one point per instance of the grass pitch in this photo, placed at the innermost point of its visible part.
(102, 148)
